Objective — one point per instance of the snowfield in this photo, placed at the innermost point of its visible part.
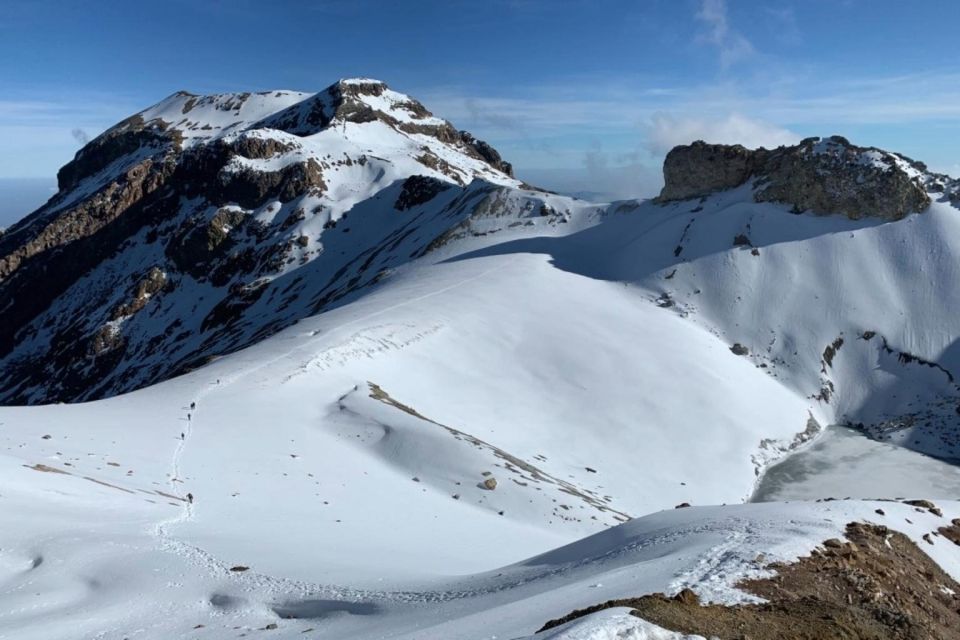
(87, 560)
(342, 463)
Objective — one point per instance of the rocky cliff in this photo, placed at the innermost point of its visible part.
(825, 176)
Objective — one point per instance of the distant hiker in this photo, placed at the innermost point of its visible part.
(188, 417)
(190, 498)
(193, 405)
(183, 436)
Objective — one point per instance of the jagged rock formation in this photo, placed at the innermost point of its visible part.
(823, 176)
(205, 223)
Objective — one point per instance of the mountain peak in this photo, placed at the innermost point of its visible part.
(371, 85)
(226, 193)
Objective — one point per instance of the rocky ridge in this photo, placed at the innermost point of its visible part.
(825, 176)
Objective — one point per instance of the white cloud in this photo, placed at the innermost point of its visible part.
(599, 180)
(618, 104)
(38, 135)
(731, 44)
(667, 131)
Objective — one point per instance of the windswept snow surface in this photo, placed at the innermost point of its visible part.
(88, 560)
(611, 624)
(334, 477)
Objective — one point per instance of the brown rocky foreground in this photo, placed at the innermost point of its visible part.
(877, 585)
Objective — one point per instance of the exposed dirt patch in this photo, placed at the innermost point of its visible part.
(952, 532)
(877, 586)
(46, 469)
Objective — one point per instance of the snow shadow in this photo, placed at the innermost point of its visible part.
(311, 609)
(638, 239)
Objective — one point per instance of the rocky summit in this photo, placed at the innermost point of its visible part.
(168, 228)
(825, 176)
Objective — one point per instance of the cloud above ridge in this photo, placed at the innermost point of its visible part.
(667, 131)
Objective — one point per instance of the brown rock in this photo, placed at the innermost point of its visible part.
(825, 177)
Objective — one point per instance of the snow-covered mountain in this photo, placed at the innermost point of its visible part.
(206, 223)
(369, 366)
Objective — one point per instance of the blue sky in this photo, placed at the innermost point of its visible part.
(580, 95)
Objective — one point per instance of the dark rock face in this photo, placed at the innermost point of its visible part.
(259, 148)
(149, 286)
(197, 245)
(131, 135)
(700, 169)
(339, 102)
(487, 153)
(417, 190)
(39, 234)
(823, 176)
(250, 188)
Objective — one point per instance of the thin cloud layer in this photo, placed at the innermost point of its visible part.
(731, 44)
(667, 131)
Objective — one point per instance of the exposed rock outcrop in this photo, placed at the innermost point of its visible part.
(256, 147)
(197, 245)
(699, 169)
(345, 102)
(823, 176)
(418, 190)
(250, 187)
(150, 285)
(52, 227)
(877, 584)
(131, 135)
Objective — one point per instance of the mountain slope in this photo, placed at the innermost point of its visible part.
(170, 227)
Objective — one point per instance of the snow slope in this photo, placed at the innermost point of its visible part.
(86, 560)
